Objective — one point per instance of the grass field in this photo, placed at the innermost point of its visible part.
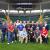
(29, 46)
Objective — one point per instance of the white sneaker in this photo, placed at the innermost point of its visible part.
(12, 41)
(8, 43)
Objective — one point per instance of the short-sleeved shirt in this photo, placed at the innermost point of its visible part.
(10, 27)
(20, 27)
(44, 32)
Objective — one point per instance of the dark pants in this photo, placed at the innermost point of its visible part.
(15, 33)
(32, 40)
(45, 40)
(3, 36)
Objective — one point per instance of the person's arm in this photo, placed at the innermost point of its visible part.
(12, 29)
(46, 34)
(34, 34)
(42, 33)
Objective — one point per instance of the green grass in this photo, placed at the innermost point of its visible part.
(49, 33)
(28, 46)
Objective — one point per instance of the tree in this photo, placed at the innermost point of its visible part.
(41, 19)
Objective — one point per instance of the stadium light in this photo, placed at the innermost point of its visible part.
(36, 11)
(2, 11)
(46, 10)
(28, 11)
(12, 11)
(21, 11)
(24, 3)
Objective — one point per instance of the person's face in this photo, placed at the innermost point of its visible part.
(31, 29)
(45, 22)
(10, 22)
(40, 22)
(28, 21)
(20, 21)
(32, 22)
(3, 23)
(43, 28)
(17, 21)
(24, 21)
(37, 23)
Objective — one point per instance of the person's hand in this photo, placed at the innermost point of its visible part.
(45, 36)
(33, 36)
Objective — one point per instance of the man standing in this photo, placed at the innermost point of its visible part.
(46, 25)
(10, 32)
(28, 29)
(4, 30)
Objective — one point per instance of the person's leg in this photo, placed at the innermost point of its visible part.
(3, 37)
(15, 36)
(43, 39)
(46, 40)
(28, 35)
(0, 31)
(40, 39)
(26, 39)
(22, 39)
(19, 38)
(30, 38)
(9, 37)
(12, 36)
(37, 39)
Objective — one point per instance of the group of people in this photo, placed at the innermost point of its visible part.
(24, 31)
